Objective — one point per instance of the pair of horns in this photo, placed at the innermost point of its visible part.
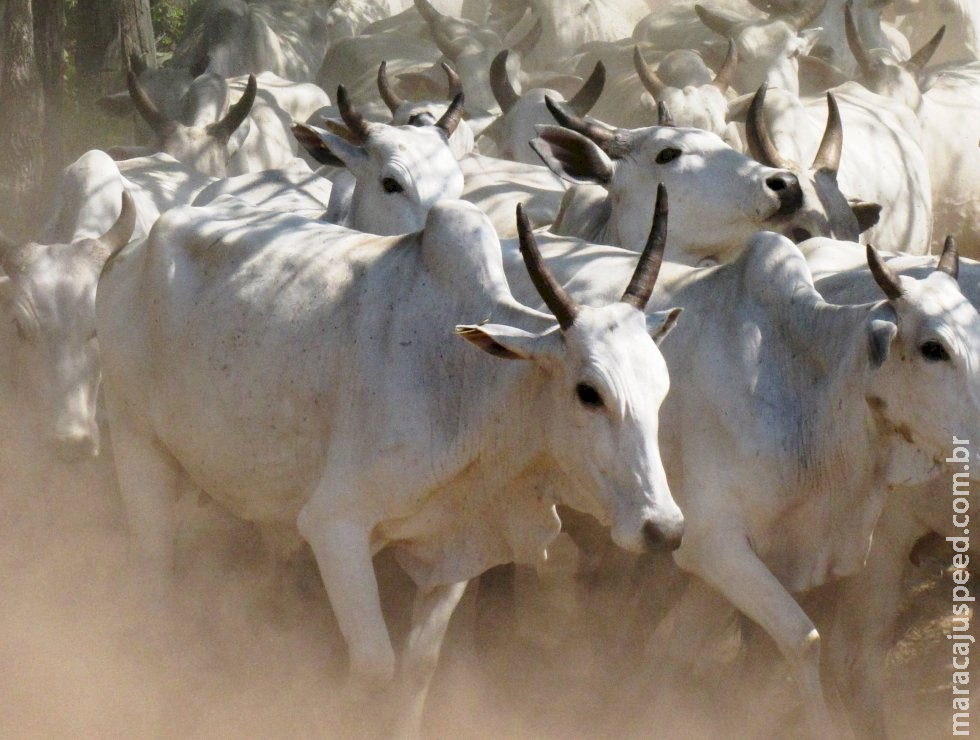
(640, 287)
(452, 48)
(600, 134)
(394, 101)
(164, 126)
(655, 86)
(727, 24)
(949, 262)
(358, 126)
(763, 150)
(916, 62)
(507, 97)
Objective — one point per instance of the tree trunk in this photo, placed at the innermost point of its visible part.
(49, 49)
(21, 113)
(110, 34)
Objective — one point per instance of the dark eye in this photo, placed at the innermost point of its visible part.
(668, 155)
(588, 395)
(391, 185)
(934, 352)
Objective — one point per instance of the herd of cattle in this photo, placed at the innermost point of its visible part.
(262, 298)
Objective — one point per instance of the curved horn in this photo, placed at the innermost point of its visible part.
(757, 134)
(640, 289)
(447, 45)
(530, 40)
(590, 91)
(717, 22)
(828, 154)
(921, 58)
(224, 128)
(455, 85)
(663, 114)
(887, 280)
(550, 290)
(654, 85)
(949, 261)
(352, 119)
(450, 119)
(428, 13)
(855, 44)
(726, 73)
(388, 95)
(600, 135)
(503, 92)
(121, 232)
(806, 15)
(146, 107)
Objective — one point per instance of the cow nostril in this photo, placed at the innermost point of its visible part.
(662, 537)
(777, 183)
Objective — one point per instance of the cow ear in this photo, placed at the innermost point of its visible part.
(867, 214)
(508, 342)
(880, 336)
(572, 156)
(660, 323)
(328, 148)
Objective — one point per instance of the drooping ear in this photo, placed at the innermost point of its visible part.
(659, 323)
(508, 342)
(572, 156)
(328, 148)
(867, 214)
(880, 335)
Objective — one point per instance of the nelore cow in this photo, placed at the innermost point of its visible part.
(811, 412)
(303, 374)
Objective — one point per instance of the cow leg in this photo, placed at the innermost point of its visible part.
(147, 478)
(430, 619)
(733, 569)
(343, 555)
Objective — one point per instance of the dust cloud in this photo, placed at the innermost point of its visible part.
(249, 648)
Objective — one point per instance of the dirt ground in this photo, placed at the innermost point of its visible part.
(254, 652)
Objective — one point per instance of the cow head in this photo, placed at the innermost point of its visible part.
(205, 148)
(50, 297)
(768, 49)
(826, 211)
(427, 112)
(924, 383)
(882, 73)
(606, 380)
(696, 166)
(401, 171)
(703, 107)
(522, 112)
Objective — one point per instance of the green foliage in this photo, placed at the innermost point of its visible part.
(169, 18)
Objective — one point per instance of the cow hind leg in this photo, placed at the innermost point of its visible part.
(431, 613)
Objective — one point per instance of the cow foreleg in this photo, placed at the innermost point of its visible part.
(430, 619)
(343, 555)
(732, 568)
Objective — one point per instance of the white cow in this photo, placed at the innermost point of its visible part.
(301, 373)
(398, 172)
(48, 292)
(947, 105)
(294, 188)
(697, 166)
(802, 416)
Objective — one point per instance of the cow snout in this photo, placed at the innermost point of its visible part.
(787, 188)
(663, 536)
(76, 444)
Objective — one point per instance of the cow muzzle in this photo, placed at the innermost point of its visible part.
(663, 536)
(787, 188)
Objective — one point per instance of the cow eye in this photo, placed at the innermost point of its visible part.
(589, 396)
(668, 155)
(934, 351)
(391, 185)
